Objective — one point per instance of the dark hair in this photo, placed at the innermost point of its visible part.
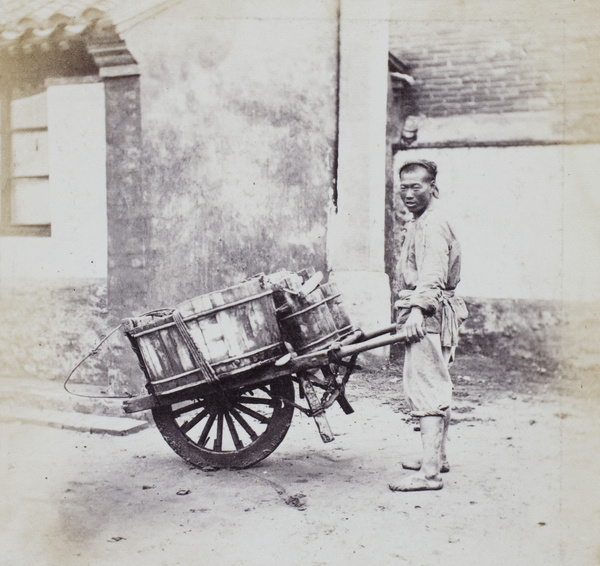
(429, 166)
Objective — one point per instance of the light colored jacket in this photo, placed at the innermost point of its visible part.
(429, 271)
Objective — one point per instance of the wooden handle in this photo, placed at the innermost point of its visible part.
(378, 342)
(379, 331)
(348, 348)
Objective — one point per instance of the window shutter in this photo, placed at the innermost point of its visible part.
(30, 186)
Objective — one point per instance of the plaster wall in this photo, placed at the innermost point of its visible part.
(526, 218)
(520, 83)
(356, 239)
(239, 127)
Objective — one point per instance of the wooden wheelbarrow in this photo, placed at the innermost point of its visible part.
(220, 410)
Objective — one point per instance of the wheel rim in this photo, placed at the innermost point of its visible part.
(228, 421)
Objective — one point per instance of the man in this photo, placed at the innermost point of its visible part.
(427, 309)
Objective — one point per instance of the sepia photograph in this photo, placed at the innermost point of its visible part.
(299, 283)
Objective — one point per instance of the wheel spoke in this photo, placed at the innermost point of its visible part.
(218, 445)
(187, 426)
(244, 424)
(230, 429)
(234, 435)
(252, 413)
(204, 436)
(188, 408)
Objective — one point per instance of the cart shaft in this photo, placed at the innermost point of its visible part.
(378, 342)
(355, 344)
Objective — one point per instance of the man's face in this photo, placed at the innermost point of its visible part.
(416, 190)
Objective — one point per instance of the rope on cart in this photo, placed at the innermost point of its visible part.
(89, 355)
(206, 369)
(94, 351)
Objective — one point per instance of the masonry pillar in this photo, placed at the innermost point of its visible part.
(356, 234)
(127, 216)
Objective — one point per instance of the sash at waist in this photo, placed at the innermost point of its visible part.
(451, 313)
(454, 313)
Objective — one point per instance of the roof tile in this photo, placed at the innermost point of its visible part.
(16, 14)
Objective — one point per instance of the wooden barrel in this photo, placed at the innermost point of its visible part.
(306, 322)
(341, 319)
(208, 338)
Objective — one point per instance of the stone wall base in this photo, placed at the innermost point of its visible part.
(47, 326)
(545, 334)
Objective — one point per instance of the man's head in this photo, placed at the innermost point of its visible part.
(417, 185)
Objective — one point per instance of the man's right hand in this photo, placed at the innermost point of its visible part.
(415, 325)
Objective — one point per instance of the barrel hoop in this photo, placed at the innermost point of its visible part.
(175, 377)
(229, 305)
(202, 314)
(145, 331)
(190, 385)
(333, 334)
(207, 371)
(247, 354)
(249, 367)
(307, 309)
(243, 368)
(346, 330)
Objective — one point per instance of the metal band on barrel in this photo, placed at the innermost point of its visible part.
(145, 330)
(311, 307)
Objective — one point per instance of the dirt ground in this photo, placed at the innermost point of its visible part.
(523, 487)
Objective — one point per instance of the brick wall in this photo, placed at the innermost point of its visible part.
(503, 65)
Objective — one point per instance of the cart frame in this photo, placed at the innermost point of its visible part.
(224, 403)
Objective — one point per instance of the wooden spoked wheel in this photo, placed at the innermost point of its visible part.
(229, 429)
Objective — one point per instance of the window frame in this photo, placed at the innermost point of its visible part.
(7, 227)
